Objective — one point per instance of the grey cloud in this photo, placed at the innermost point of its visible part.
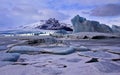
(26, 11)
(85, 12)
(106, 10)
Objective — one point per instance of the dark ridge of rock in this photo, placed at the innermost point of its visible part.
(99, 37)
(85, 37)
(116, 59)
(53, 24)
(92, 60)
(20, 63)
(80, 24)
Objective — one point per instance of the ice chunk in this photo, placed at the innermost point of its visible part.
(9, 56)
(25, 50)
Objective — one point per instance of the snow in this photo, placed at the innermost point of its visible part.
(99, 54)
(71, 63)
(54, 65)
(32, 26)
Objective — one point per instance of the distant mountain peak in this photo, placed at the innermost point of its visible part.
(50, 24)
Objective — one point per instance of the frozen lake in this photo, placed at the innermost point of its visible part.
(102, 59)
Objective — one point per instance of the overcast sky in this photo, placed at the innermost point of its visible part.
(21, 12)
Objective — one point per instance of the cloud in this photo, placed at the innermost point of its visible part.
(80, 4)
(22, 12)
(106, 10)
(48, 13)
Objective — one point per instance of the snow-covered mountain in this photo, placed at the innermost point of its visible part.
(50, 24)
(33, 25)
